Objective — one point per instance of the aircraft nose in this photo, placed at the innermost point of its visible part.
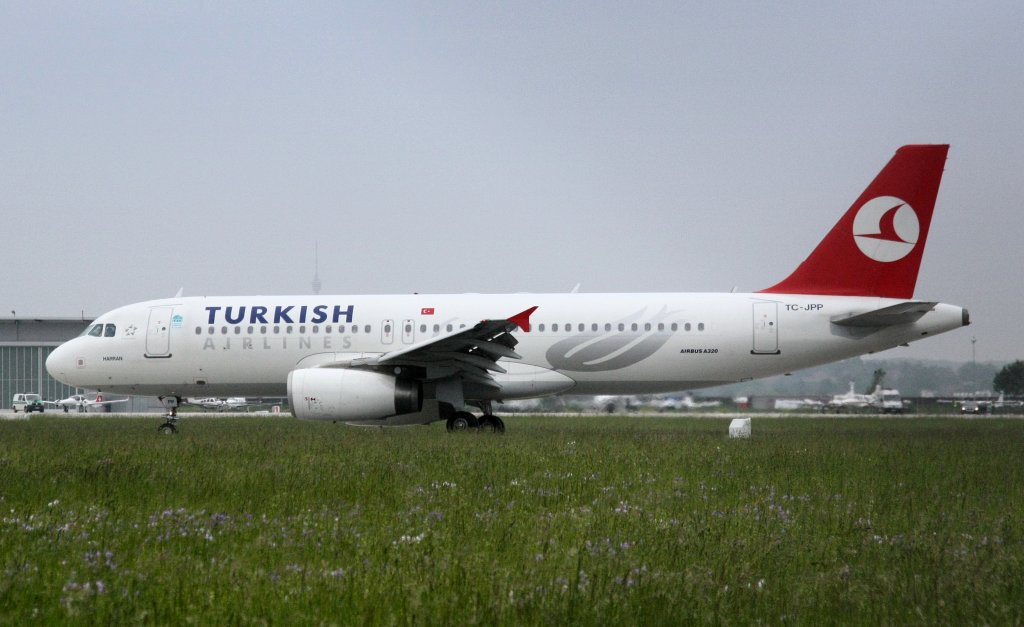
(59, 363)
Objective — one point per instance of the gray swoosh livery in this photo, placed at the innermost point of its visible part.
(612, 350)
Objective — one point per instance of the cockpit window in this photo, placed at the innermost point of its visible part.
(96, 330)
(110, 331)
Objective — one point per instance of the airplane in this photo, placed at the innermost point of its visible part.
(220, 404)
(686, 403)
(81, 403)
(1001, 402)
(417, 359)
(852, 400)
(793, 404)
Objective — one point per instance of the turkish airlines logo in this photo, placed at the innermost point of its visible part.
(886, 229)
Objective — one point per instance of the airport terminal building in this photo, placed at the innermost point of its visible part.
(25, 343)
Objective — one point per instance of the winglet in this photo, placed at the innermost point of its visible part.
(522, 319)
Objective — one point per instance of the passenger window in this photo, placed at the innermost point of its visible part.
(607, 326)
(661, 326)
(277, 329)
(622, 327)
(366, 328)
(199, 330)
(328, 329)
(449, 328)
(687, 326)
(593, 327)
(540, 327)
(437, 328)
(341, 328)
(633, 326)
(249, 330)
(223, 330)
(700, 327)
(211, 330)
(302, 329)
(554, 327)
(423, 328)
(263, 330)
(316, 329)
(238, 330)
(647, 327)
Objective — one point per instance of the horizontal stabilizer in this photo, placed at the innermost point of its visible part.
(902, 313)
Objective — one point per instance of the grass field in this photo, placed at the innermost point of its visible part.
(561, 520)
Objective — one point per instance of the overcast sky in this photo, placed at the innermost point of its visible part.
(497, 147)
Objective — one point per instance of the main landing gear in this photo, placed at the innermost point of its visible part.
(169, 427)
(465, 421)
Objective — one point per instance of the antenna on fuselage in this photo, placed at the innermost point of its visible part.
(316, 268)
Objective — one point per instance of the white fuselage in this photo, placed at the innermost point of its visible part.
(578, 343)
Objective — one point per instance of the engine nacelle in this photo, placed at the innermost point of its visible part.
(350, 394)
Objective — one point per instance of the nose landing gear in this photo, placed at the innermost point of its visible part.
(171, 403)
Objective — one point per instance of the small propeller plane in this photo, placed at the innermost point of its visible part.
(81, 403)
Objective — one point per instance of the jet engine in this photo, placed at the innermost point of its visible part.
(350, 394)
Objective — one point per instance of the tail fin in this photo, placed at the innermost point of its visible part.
(875, 249)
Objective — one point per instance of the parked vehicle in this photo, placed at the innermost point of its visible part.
(27, 403)
(889, 402)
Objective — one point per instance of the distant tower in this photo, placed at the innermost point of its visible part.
(316, 268)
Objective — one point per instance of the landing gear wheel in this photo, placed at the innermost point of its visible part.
(492, 424)
(462, 421)
(171, 403)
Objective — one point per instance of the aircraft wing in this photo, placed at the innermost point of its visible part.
(472, 353)
(901, 313)
(120, 400)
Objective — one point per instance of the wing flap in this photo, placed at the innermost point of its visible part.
(471, 354)
(494, 348)
(473, 359)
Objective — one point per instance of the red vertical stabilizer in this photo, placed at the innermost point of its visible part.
(875, 249)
